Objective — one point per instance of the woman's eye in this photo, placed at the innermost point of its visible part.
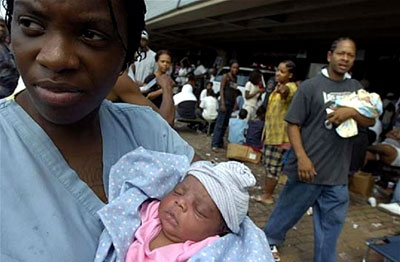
(29, 24)
(92, 36)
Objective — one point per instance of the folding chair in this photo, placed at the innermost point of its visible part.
(388, 247)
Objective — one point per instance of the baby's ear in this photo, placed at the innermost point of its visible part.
(223, 229)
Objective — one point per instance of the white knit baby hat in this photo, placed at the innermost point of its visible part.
(227, 184)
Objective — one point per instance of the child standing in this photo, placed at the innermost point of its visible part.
(276, 138)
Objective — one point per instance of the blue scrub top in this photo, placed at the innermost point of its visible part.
(47, 213)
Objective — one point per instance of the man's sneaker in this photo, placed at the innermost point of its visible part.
(275, 253)
(392, 208)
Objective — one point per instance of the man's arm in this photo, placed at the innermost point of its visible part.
(341, 114)
(305, 167)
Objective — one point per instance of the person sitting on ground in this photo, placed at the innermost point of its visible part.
(255, 130)
(239, 101)
(237, 128)
(179, 211)
(388, 151)
(185, 101)
(394, 206)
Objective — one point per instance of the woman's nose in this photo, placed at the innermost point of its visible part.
(58, 54)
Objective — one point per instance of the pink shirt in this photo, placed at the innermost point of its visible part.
(140, 251)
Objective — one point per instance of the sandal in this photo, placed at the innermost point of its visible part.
(260, 199)
(275, 253)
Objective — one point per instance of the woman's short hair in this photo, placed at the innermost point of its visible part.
(162, 52)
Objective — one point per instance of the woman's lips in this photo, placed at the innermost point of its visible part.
(58, 94)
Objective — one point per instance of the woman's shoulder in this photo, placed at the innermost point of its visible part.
(126, 109)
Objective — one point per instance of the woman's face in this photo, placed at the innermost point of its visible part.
(68, 54)
(282, 74)
(234, 68)
(164, 63)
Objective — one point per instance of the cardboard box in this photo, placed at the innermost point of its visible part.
(243, 153)
(361, 183)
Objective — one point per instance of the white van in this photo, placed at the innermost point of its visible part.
(242, 77)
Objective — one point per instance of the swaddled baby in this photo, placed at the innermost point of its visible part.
(210, 201)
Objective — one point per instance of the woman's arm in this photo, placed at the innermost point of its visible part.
(221, 92)
(167, 107)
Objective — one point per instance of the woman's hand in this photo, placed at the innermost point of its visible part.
(283, 90)
(165, 81)
(152, 95)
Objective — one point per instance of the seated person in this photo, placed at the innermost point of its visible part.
(185, 101)
(206, 211)
(255, 130)
(237, 128)
(209, 106)
(204, 92)
(388, 151)
(394, 206)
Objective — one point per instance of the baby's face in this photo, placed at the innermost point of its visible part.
(188, 213)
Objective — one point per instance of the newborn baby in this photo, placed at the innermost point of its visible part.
(194, 214)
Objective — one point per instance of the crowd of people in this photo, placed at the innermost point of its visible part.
(85, 178)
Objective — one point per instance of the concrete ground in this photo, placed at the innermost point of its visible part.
(362, 222)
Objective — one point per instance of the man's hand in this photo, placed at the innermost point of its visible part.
(305, 169)
(340, 114)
